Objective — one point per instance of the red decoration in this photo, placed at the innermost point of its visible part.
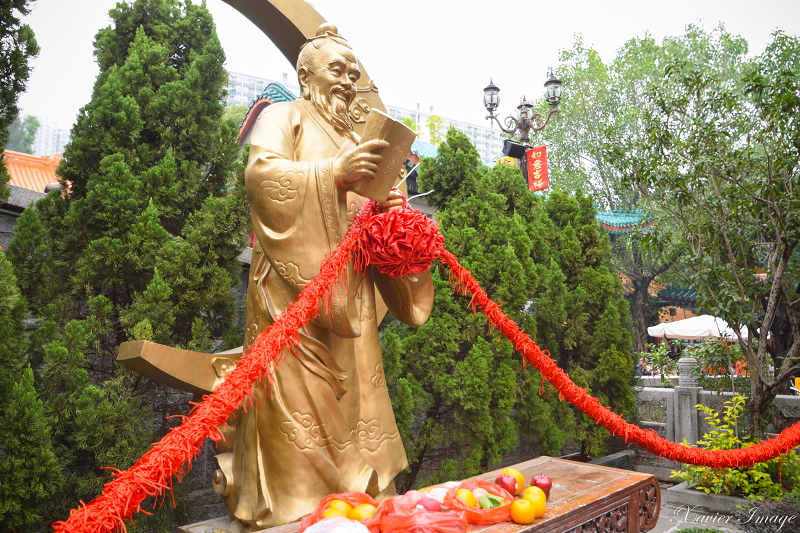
(462, 279)
(400, 242)
(538, 177)
(153, 472)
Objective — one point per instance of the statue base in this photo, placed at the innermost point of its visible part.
(207, 526)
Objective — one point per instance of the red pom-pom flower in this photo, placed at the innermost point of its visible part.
(400, 242)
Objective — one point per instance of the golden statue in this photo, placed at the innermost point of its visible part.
(326, 426)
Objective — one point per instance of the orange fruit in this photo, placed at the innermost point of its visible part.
(360, 512)
(517, 476)
(466, 497)
(523, 511)
(341, 505)
(332, 513)
(536, 496)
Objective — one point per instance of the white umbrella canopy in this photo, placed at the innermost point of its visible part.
(695, 328)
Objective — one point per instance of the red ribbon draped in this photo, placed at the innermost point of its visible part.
(153, 472)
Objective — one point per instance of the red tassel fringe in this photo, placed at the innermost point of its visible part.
(462, 280)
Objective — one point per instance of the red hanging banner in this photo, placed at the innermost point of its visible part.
(538, 178)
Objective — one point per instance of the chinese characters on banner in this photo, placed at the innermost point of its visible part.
(538, 177)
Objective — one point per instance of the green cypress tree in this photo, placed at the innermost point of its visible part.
(12, 329)
(30, 472)
(143, 243)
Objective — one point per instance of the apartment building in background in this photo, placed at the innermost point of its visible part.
(50, 138)
(244, 89)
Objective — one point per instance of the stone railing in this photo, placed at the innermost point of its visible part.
(672, 413)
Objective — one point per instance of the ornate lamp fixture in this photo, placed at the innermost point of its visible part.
(526, 120)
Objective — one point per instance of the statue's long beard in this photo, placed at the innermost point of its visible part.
(333, 108)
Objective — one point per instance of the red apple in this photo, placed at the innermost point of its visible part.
(430, 504)
(543, 482)
(506, 482)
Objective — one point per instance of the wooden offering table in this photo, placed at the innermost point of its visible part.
(584, 498)
(587, 497)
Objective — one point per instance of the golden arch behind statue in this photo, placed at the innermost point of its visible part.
(288, 23)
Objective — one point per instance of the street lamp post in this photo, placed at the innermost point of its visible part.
(526, 120)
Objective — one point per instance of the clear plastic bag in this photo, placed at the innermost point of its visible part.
(337, 525)
(476, 515)
(396, 520)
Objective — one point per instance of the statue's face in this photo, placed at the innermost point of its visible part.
(335, 73)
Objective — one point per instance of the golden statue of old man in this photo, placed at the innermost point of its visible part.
(326, 426)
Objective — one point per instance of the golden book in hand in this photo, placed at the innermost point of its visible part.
(400, 138)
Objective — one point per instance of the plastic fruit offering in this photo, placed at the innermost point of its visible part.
(414, 496)
(533, 490)
(536, 496)
(360, 512)
(517, 477)
(333, 513)
(507, 483)
(490, 501)
(341, 505)
(466, 497)
(523, 511)
(429, 504)
(479, 492)
(543, 482)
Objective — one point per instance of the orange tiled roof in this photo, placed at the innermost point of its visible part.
(30, 171)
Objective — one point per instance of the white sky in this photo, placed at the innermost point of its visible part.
(438, 53)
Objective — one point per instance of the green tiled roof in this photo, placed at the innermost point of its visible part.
(680, 295)
(277, 92)
(623, 220)
(423, 149)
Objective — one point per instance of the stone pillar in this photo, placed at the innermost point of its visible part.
(685, 399)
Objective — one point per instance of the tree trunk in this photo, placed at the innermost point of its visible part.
(638, 300)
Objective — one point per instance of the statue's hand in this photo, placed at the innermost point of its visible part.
(358, 163)
(393, 202)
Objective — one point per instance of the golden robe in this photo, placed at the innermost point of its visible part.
(329, 426)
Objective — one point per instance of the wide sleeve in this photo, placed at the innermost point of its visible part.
(276, 183)
(409, 299)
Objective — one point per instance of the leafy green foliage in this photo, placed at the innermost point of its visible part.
(461, 396)
(17, 46)
(717, 365)
(720, 165)
(434, 124)
(657, 361)
(762, 480)
(22, 134)
(588, 145)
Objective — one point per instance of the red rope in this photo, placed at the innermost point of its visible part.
(462, 280)
(152, 473)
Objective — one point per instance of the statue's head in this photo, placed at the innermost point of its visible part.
(327, 70)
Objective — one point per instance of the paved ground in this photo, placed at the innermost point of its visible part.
(674, 518)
